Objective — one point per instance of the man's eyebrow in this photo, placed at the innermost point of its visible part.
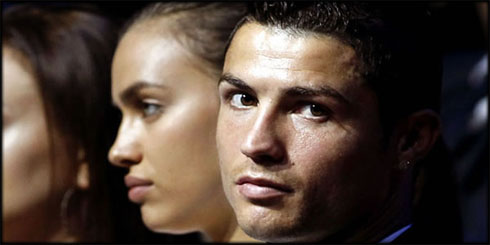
(235, 81)
(297, 91)
(130, 93)
(323, 90)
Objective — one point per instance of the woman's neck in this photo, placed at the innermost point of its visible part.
(62, 236)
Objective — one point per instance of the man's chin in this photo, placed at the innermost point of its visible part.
(277, 237)
(269, 232)
(279, 231)
(262, 234)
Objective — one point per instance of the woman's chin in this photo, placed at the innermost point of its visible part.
(158, 222)
(152, 221)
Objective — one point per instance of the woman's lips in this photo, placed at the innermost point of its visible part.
(137, 188)
(261, 189)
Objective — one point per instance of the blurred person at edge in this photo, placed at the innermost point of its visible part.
(58, 123)
(328, 128)
(164, 80)
(464, 113)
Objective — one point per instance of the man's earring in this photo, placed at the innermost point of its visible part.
(405, 165)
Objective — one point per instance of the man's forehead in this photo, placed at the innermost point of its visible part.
(273, 41)
(259, 47)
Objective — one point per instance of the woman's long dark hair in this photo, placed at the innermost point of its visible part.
(70, 49)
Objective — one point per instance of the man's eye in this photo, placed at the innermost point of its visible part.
(242, 100)
(314, 111)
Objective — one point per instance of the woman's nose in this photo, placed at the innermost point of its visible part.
(126, 150)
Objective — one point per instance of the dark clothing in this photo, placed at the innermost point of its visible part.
(416, 235)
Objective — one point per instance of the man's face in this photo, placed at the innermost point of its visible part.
(299, 136)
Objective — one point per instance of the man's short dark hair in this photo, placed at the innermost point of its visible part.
(393, 41)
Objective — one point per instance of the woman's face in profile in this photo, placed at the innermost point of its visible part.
(27, 165)
(166, 138)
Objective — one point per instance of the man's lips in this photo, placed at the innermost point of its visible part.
(137, 188)
(261, 189)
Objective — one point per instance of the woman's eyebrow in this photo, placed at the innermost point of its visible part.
(130, 93)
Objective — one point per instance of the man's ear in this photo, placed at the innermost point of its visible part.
(417, 137)
(83, 176)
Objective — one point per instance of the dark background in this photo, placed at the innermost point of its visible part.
(459, 24)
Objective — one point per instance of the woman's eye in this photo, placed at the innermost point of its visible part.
(242, 100)
(150, 109)
(314, 111)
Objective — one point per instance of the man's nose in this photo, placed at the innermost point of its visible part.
(262, 143)
(126, 150)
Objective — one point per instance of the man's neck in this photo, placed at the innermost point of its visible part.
(394, 215)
